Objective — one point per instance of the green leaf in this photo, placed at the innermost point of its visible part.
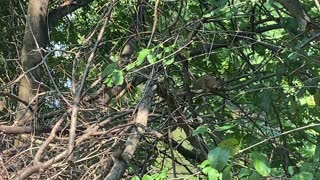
(224, 128)
(218, 158)
(117, 77)
(307, 166)
(114, 58)
(203, 164)
(281, 70)
(200, 130)
(142, 55)
(151, 58)
(206, 170)
(255, 176)
(169, 61)
(109, 69)
(108, 81)
(196, 178)
(147, 177)
(218, 3)
(244, 172)
(268, 4)
(226, 174)
(80, 39)
(231, 145)
(303, 176)
(213, 174)
(185, 53)
(261, 50)
(225, 53)
(163, 173)
(159, 55)
(167, 49)
(260, 164)
(291, 25)
(291, 170)
(262, 168)
(194, 9)
(293, 56)
(135, 178)
(130, 66)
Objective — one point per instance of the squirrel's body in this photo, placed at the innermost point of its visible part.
(208, 83)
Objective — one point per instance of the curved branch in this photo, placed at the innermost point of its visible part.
(64, 9)
(12, 96)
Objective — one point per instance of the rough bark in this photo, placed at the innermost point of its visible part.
(296, 9)
(35, 39)
(141, 120)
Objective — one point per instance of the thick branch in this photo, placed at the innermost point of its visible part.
(141, 118)
(24, 130)
(64, 9)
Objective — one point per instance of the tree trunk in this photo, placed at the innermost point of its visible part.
(34, 41)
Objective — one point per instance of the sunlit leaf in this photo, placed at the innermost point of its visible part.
(200, 130)
(261, 164)
(214, 174)
(203, 164)
(169, 61)
(151, 57)
(163, 173)
(159, 55)
(206, 170)
(147, 177)
(80, 39)
(135, 178)
(225, 127)
(142, 55)
(130, 66)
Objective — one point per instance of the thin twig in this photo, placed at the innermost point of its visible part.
(155, 20)
(282, 134)
(76, 99)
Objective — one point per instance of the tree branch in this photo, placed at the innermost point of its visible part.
(64, 9)
(141, 118)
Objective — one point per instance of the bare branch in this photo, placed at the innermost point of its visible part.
(77, 97)
(141, 118)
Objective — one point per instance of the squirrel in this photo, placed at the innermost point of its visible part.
(208, 83)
